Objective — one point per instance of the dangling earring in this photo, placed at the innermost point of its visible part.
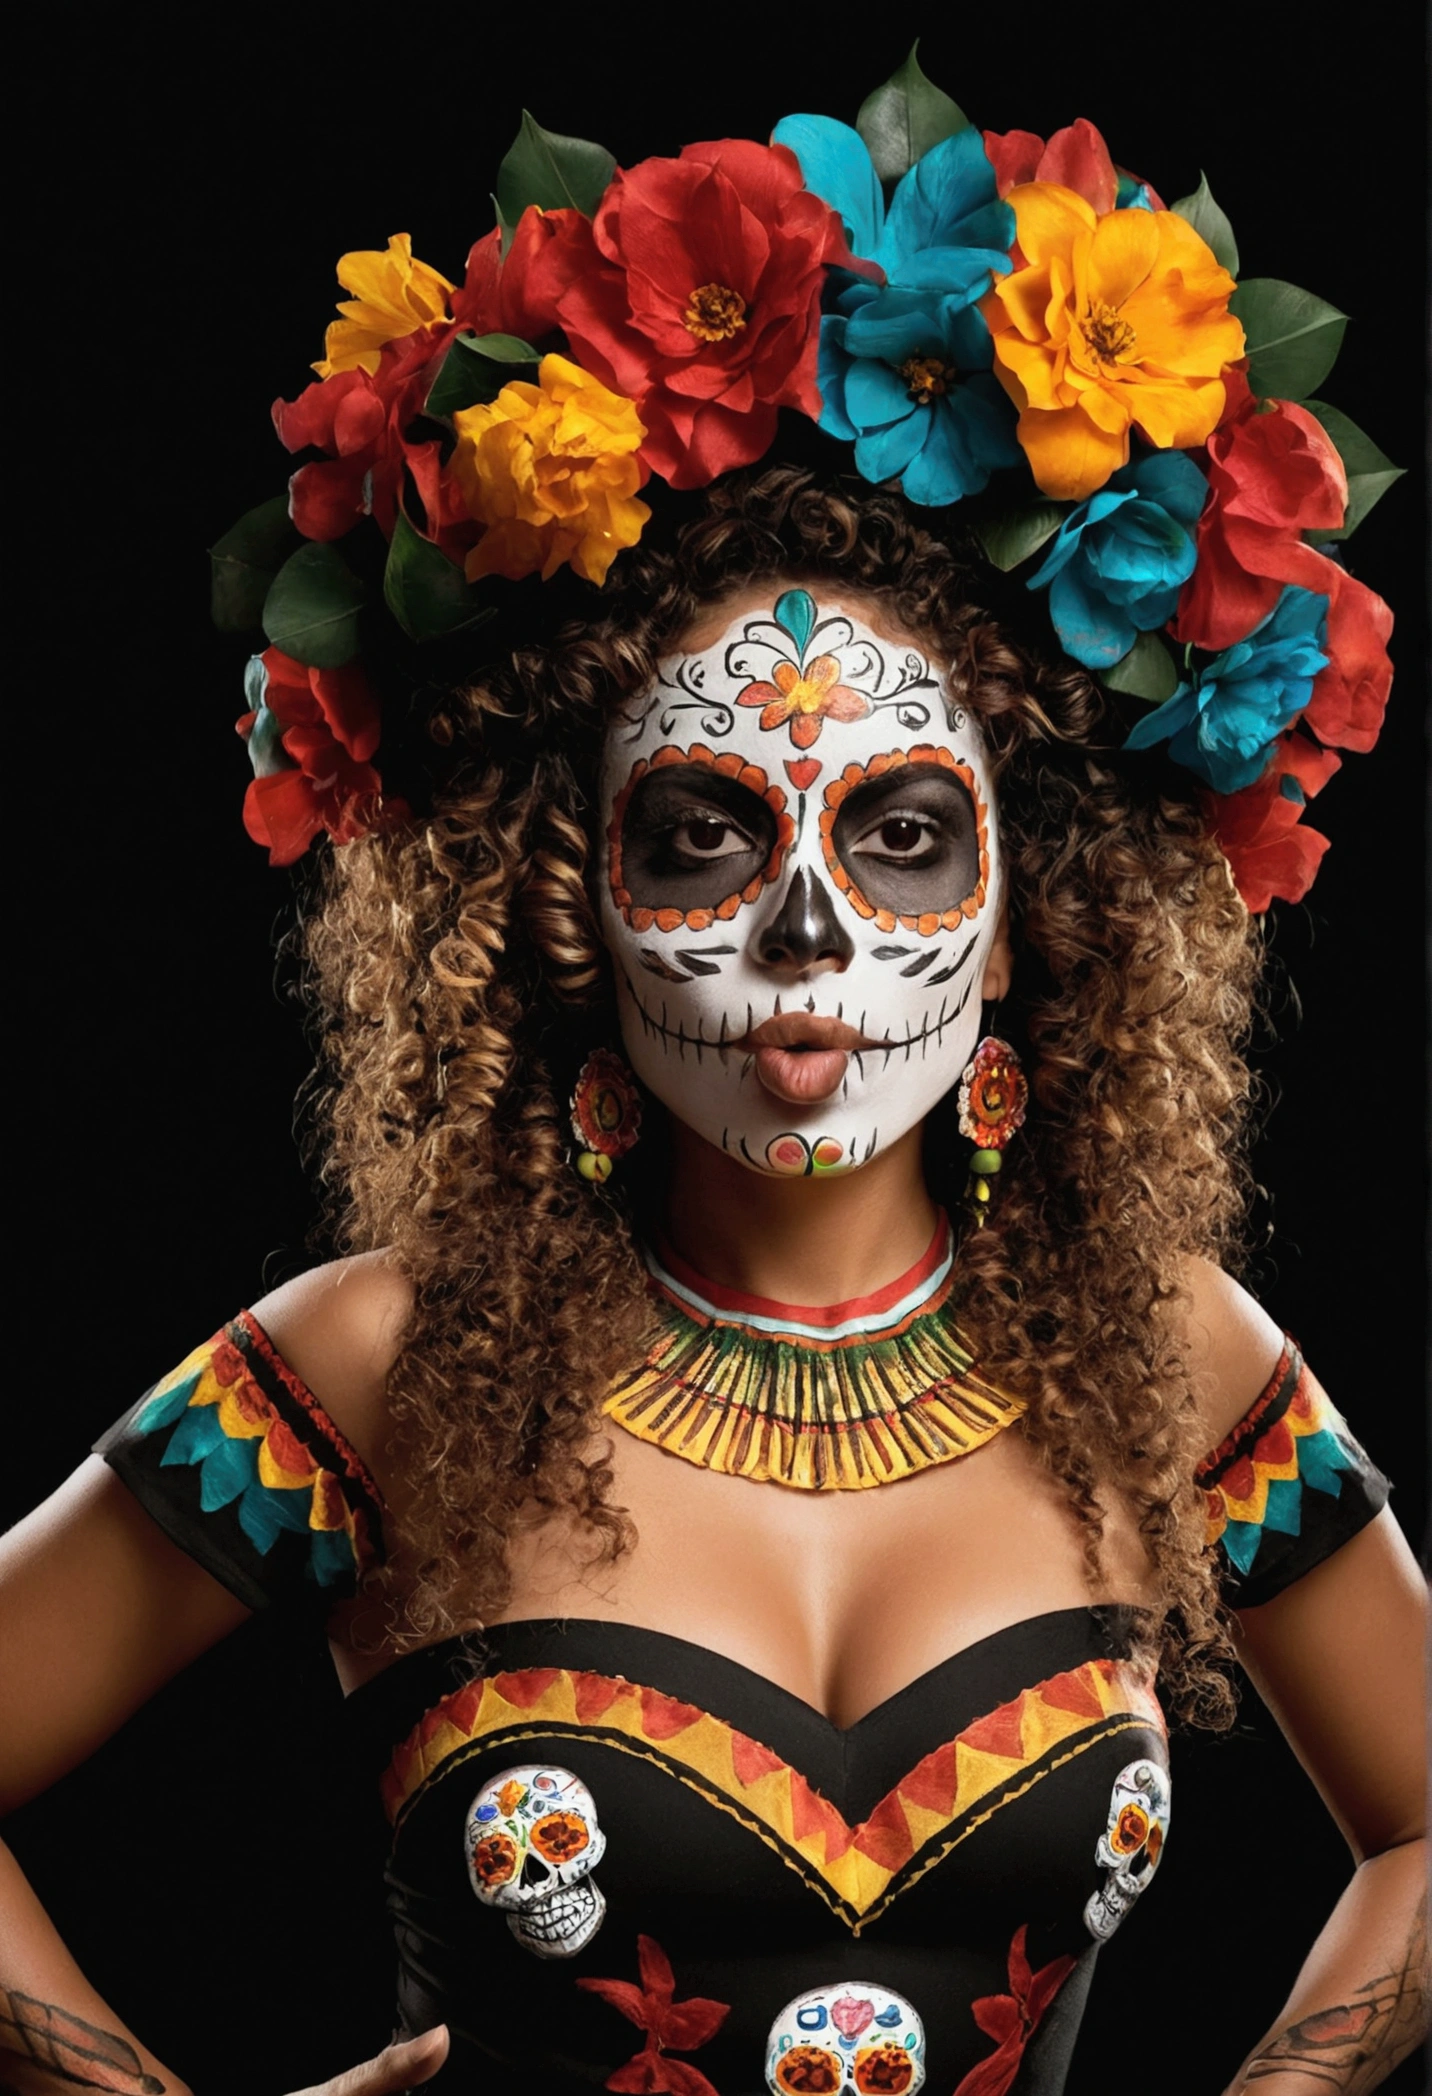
(606, 1114)
(993, 1097)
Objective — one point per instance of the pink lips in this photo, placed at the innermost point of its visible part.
(802, 1058)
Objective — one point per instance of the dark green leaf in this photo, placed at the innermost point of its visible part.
(426, 594)
(1148, 671)
(1210, 222)
(904, 118)
(476, 368)
(312, 609)
(1012, 536)
(546, 169)
(245, 560)
(1369, 473)
(1293, 337)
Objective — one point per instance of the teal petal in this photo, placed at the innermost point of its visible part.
(1283, 1511)
(226, 1472)
(330, 1556)
(1240, 1541)
(876, 396)
(258, 1518)
(796, 612)
(1094, 631)
(165, 1406)
(1167, 720)
(882, 454)
(197, 1433)
(1321, 1461)
(836, 166)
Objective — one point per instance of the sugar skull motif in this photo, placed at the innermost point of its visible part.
(851, 2037)
(802, 885)
(1130, 1845)
(532, 1841)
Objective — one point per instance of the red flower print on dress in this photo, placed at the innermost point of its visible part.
(1012, 2019)
(653, 2008)
(695, 291)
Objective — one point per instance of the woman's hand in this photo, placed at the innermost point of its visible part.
(396, 2067)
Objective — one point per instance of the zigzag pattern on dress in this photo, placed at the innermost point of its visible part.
(1253, 1483)
(857, 1870)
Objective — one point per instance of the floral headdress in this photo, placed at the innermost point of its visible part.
(994, 319)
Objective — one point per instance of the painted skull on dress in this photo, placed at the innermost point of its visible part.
(802, 886)
(532, 1840)
(1130, 1845)
(851, 2037)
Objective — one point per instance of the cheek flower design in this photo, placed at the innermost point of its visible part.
(1117, 564)
(552, 471)
(310, 733)
(1116, 320)
(1221, 725)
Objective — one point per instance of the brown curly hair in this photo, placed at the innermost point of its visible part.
(461, 977)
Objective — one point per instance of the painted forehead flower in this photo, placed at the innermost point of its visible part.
(1116, 320)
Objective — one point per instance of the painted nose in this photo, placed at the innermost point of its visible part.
(806, 934)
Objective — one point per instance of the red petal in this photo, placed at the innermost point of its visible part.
(326, 498)
(281, 812)
(622, 1995)
(655, 1968)
(1078, 158)
(688, 2024)
(1014, 156)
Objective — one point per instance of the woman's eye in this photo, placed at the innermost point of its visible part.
(709, 837)
(897, 836)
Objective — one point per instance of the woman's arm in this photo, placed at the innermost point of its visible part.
(1338, 1658)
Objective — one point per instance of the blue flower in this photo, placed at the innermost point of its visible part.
(1120, 558)
(1222, 724)
(906, 371)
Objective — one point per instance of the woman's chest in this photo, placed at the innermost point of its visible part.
(842, 1597)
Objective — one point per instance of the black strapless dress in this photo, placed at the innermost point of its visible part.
(620, 1860)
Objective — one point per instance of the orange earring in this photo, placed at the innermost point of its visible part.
(606, 1114)
(992, 1100)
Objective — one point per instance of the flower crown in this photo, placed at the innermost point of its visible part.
(980, 315)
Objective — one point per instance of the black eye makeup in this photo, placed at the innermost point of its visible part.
(909, 840)
(691, 836)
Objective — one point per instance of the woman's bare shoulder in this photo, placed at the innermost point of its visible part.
(339, 1328)
(1233, 1346)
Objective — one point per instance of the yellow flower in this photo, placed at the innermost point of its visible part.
(552, 471)
(1113, 320)
(393, 296)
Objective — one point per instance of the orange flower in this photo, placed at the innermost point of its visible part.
(552, 471)
(396, 295)
(804, 696)
(1115, 319)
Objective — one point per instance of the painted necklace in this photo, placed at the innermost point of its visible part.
(831, 1399)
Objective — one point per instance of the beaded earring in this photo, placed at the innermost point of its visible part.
(992, 1100)
(606, 1114)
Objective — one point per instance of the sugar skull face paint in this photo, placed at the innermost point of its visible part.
(801, 885)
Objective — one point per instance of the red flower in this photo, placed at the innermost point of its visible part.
(517, 293)
(1076, 157)
(652, 2007)
(1012, 2019)
(364, 421)
(1274, 473)
(328, 722)
(696, 291)
(1269, 850)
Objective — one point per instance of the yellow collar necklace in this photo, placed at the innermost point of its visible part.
(830, 1399)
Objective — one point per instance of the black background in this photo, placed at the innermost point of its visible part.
(187, 182)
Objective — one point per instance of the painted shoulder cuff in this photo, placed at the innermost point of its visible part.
(240, 1465)
(1288, 1487)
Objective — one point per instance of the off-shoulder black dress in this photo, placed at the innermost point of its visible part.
(620, 1860)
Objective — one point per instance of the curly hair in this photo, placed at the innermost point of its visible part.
(461, 977)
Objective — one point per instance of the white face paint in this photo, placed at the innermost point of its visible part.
(802, 885)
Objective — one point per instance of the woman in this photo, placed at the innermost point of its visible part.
(449, 1116)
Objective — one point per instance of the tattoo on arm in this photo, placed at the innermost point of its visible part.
(1352, 2047)
(70, 2052)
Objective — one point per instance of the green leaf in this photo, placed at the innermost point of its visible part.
(426, 594)
(312, 609)
(546, 169)
(476, 368)
(1016, 533)
(1210, 222)
(1148, 671)
(904, 118)
(245, 560)
(1293, 337)
(1369, 472)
